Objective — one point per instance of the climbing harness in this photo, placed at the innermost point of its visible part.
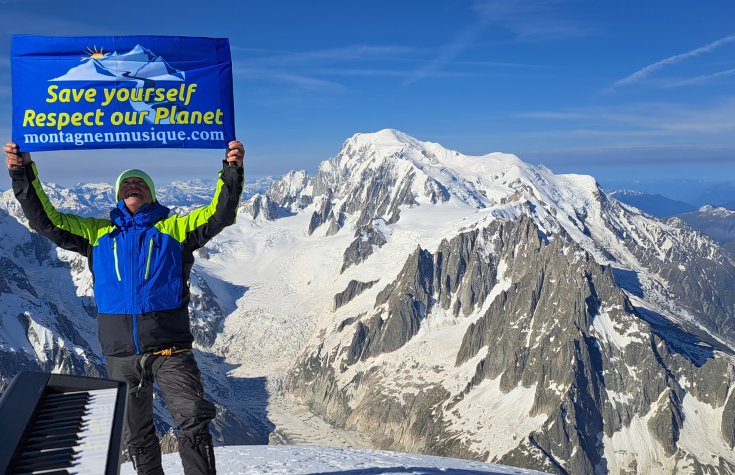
(146, 367)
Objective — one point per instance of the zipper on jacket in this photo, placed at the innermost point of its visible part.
(133, 289)
(135, 334)
(117, 266)
(148, 261)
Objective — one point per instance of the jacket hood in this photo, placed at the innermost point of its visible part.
(146, 216)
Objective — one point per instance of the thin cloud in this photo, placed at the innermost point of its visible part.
(300, 68)
(701, 79)
(449, 52)
(387, 73)
(346, 61)
(307, 82)
(36, 23)
(329, 56)
(530, 19)
(648, 70)
(633, 155)
(699, 120)
(593, 133)
(709, 119)
(500, 64)
(527, 19)
(299, 81)
(642, 125)
(555, 115)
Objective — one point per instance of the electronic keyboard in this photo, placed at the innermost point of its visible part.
(60, 424)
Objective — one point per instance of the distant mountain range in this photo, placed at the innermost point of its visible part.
(718, 222)
(721, 194)
(715, 221)
(470, 306)
(653, 204)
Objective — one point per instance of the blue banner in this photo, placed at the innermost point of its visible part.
(72, 93)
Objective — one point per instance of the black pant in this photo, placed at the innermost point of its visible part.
(179, 379)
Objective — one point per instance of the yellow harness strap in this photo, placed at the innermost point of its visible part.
(171, 351)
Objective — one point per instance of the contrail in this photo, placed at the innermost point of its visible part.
(643, 73)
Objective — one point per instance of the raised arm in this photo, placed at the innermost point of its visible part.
(196, 228)
(67, 231)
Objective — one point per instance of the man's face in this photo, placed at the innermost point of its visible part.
(135, 193)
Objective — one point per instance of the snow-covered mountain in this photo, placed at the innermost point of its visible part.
(490, 309)
(430, 301)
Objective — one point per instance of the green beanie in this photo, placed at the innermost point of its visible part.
(133, 172)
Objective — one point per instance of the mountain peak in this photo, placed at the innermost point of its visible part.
(385, 136)
(393, 143)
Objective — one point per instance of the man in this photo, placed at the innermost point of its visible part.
(141, 259)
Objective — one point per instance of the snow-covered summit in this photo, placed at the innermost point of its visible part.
(370, 150)
(374, 175)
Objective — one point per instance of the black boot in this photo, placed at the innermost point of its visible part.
(197, 455)
(146, 460)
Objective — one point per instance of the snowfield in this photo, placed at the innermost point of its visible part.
(303, 460)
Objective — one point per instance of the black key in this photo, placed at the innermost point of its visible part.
(70, 427)
(39, 443)
(56, 396)
(47, 462)
(60, 415)
(51, 408)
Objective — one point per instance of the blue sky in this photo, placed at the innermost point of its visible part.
(625, 91)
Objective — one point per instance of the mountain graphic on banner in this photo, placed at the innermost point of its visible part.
(138, 64)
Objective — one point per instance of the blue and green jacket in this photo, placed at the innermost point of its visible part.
(140, 263)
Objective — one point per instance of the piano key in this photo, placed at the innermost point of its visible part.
(56, 461)
(71, 415)
(38, 443)
(63, 405)
(67, 427)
